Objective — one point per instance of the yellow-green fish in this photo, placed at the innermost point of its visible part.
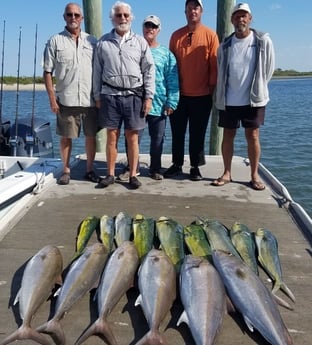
(123, 228)
(170, 234)
(243, 240)
(107, 231)
(196, 240)
(85, 231)
(143, 231)
(268, 257)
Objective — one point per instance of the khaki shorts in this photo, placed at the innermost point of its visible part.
(68, 123)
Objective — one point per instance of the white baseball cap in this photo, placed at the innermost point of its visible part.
(152, 19)
(200, 2)
(241, 7)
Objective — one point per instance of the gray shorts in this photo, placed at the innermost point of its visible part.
(118, 110)
(68, 123)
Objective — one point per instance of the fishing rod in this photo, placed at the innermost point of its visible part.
(30, 138)
(1, 91)
(14, 140)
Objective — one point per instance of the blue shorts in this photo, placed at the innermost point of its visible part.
(118, 110)
(250, 117)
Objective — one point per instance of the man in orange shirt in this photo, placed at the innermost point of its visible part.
(195, 48)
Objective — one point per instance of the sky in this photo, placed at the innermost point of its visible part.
(288, 23)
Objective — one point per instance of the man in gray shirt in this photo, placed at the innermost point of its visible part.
(69, 55)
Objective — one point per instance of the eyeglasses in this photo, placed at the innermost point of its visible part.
(150, 25)
(119, 15)
(189, 39)
(76, 15)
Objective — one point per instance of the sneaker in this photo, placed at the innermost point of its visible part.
(126, 175)
(195, 174)
(64, 179)
(173, 171)
(156, 176)
(134, 182)
(106, 181)
(92, 177)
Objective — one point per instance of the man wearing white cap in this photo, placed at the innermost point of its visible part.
(245, 67)
(195, 48)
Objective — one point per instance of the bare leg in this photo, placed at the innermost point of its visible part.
(254, 151)
(228, 151)
(65, 151)
(111, 150)
(133, 150)
(90, 144)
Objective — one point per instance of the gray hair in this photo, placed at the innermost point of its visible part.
(118, 4)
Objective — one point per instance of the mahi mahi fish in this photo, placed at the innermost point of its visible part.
(117, 278)
(170, 234)
(143, 234)
(85, 231)
(203, 297)
(41, 274)
(82, 277)
(157, 285)
(107, 231)
(123, 228)
(268, 257)
(243, 240)
(251, 298)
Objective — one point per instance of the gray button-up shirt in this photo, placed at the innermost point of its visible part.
(71, 64)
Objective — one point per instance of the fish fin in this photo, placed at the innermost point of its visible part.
(17, 297)
(101, 328)
(55, 330)
(153, 338)
(281, 302)
(183, 318)
(138, 301)
(230, 308)
(24, 333)
(248, 323)
(57, 292)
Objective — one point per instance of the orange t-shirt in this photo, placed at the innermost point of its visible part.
(196, 54)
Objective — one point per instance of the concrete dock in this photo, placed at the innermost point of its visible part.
(53, 216)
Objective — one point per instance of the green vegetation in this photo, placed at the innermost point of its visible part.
(290, 73)
(23, 80)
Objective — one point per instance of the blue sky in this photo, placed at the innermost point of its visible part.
(288, 22)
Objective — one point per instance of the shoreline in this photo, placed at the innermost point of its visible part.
(23, 87)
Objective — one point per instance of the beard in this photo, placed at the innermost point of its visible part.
(241, 28)
(124, 27)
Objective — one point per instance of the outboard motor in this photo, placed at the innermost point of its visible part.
(31, 142)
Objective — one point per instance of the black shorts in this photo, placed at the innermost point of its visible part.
(250, 117)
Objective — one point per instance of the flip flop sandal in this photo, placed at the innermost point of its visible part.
(257, 185)
(64, 179)
(219, 182)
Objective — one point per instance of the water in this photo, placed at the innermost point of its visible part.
(285, 137)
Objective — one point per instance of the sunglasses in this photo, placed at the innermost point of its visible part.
(150, 25)
(119, 15)
(76, 15)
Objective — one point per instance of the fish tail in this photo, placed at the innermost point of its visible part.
(23, 333)
(153, 337)
(288, 292)
(55, 330)
(101, 328)
(281, 302)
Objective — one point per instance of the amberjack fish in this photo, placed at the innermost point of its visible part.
(268, 257)
(170, 234)
(107, 231)
(196, 240)
(85, 231)
(157, 285)
(143, 233)
(123, 228)
(41, 274)
(117, 278)
(203, 297)
(243, 240)
(251, 298)
(83, 275)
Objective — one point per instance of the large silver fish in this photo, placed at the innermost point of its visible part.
(117, 278)
(157, 285)
(243, 240)
(203, 297)
(83, 275)
(268, 257)
(170, 234)
(123, 228)
(41, 274)
(251, 298)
